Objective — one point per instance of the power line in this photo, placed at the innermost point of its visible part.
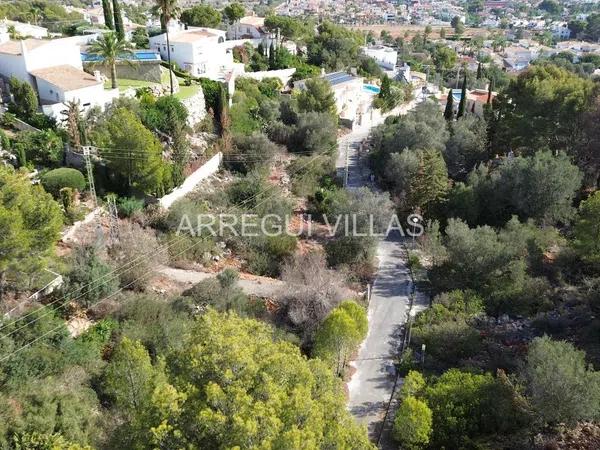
(100, 279)
(96, 303)
(174, 242)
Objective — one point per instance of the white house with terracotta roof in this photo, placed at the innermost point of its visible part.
(199, 51)
(54, 69)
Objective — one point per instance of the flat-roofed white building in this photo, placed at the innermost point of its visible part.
(386, 57)
(25, 29)
(199, 51)
(249, 27)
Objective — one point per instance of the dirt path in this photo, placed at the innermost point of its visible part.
(252, 285)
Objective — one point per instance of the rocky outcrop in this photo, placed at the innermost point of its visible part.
(196, 107)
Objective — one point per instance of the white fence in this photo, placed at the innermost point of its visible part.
(285, 75)
(206, 170)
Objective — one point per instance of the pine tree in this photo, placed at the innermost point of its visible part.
(119, 28)
(429, 184)
(463, 99)
(479, 72)
(108, 14)
(449, 111)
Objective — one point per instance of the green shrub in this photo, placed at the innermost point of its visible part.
(90, 278)
(4, 141)
(128, 206)
(349, 250)
(413, 424)
(64, 177)
(264, 254)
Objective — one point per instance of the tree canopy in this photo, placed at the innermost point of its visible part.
(31, 221)
(234, 384)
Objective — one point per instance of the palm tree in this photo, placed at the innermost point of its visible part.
(34, 14)
(109, 48)
(73, 122)
(167, 10)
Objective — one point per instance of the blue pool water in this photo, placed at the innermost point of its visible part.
(371, 88)
(140, 55)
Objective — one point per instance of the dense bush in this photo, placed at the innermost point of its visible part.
(250, 152)
(39, 147)
(129, 206)
(90, 278)
(340, 334)
(54, 180)
(561, 386)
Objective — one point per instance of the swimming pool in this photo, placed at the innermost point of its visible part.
(141, 55)
(371, 89)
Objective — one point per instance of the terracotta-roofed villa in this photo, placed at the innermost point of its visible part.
(54, 69)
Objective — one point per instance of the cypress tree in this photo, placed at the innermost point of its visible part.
(479, 72)
(490, 90)
(385, 91)
(463, 99)
(448, 112)
(108, 14)
(118, 19)
(272, 56)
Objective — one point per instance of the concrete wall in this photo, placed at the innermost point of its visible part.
(143, 71)
(196, 107)
(190, 183)
(51, 54)
(14, 66)
(285, 75)
(89, 97)
(55, 53)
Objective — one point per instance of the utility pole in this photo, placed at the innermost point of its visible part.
(87, 155)
(113, 230)
(90, 172)
(347, 169)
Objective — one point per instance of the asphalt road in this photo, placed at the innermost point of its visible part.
(372, 382)
(371, 385)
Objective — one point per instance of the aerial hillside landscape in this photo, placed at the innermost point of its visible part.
(299, 224)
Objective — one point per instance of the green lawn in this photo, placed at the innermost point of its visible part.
(123, 84)
(186, 92)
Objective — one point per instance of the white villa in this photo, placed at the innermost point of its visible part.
(249, 27)
(352, 100)
(54, 69)
(199, 51)
(386, 57)
(24, 29)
